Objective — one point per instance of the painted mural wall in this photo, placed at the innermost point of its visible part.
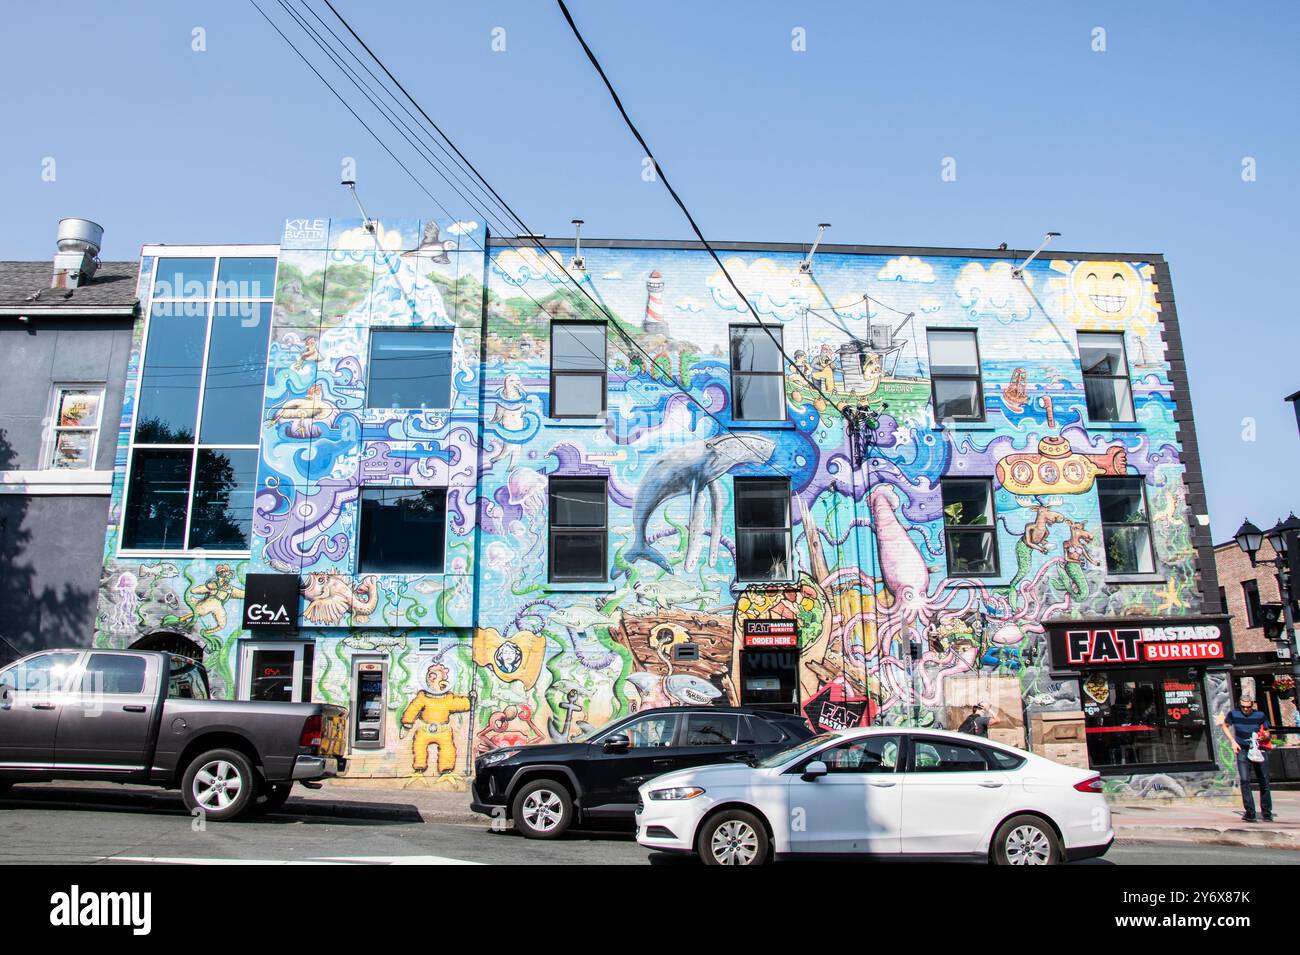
(489, 653)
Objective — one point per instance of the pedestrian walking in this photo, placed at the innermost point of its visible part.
(1245, 725)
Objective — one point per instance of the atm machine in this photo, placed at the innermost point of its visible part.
(369, 701)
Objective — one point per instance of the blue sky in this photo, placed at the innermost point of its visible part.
(1137, 148)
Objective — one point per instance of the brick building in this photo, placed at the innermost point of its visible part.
(520, 496)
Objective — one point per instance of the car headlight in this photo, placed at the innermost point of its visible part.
(677, 792)
(496, 756)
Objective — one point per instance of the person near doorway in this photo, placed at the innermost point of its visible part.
(977, 723)
(1243, 726)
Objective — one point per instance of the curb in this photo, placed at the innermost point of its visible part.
(1211, 836)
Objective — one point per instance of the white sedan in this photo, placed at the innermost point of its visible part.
(880, 791)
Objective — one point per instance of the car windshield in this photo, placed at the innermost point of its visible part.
(795, 751)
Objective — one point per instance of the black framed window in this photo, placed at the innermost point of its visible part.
(1125, 526)
(969, 522)
(410, 368)
(757, 374)
(403, 530)
(193, 463)
(578, 369)
(578, 532)
(1254, 609)
(763, 529)
(955, 374)
(1106, 383)
(1145, 717)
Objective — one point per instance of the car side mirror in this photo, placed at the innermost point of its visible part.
(814, 771)
(618, 743)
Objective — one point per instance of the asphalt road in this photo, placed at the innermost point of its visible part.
(50, 828)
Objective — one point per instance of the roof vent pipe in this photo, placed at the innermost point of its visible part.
(78, 256)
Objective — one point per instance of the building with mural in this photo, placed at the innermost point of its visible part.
(518, 495)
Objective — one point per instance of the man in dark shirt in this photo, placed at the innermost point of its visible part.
(1242, 726)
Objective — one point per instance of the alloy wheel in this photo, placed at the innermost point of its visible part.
(734, 843)
(1028, 845)
(543, 810)
(217, 784)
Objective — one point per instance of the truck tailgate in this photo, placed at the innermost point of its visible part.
(334, 731)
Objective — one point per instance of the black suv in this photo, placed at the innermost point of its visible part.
(547, 788)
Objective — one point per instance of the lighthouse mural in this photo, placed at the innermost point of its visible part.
(654, 323)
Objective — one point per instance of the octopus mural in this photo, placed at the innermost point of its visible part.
(489, 652)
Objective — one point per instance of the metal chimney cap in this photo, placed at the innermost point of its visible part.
(80, 235)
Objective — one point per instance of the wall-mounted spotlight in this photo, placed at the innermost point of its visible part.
(806, 265)
(366, 222)
(577, 263)
(1019, 270)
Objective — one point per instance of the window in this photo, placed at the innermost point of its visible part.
(868, 754)
(652, 732)
(44, 673)
(1002, 760)
(403, 530)
(1223, 600)
(578, 532)
(757, 374)
(410, 369)
(759, 730)
(955, 375)
(969, 524)
(74, 426)
(1254, 611)
(577, 369)
(712, 729)
(1151, 717)
(1106, 383)
(1125, 526)
(113, 673)
(193, 464)
(940, 756)
(763, 529)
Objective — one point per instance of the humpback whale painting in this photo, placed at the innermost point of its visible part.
(690, 470)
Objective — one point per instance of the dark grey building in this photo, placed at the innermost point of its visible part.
(65, 338)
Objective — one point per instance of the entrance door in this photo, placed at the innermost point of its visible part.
(271, 671)
(857, 806)
(770, 679)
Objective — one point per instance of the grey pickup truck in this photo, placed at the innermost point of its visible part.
(137, 716)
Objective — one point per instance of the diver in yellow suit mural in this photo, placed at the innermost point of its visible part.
(433, 707)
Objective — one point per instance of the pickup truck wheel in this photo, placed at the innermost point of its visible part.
(542, 809)
(221, 782)
(271, 798)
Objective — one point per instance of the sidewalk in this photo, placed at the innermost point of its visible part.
(1210, 825)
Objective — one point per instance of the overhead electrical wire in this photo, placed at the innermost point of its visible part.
(524, 233)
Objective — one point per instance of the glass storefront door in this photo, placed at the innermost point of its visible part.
(278, 672)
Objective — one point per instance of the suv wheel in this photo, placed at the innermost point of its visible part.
(734, 837)
(220, 782)
(1026, 840)
(542, 809)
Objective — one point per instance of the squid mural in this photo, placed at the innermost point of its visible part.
(489, 652)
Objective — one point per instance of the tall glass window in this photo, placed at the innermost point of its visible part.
(1125, 525)
(955, 375)
(757, 374)
(193, 463)
(763, 529)
(1106, 383)
(403, 530)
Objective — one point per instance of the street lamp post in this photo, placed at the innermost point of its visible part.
(1282, 537)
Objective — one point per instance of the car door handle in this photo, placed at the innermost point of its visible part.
(661, 762)
(133, 708)
(989, 785)
(882, 785)
(42, 706)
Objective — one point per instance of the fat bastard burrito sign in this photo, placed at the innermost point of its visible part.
(1168, 641)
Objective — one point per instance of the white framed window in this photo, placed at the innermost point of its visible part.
(73, 436)
(192, 464)
(275, 671)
